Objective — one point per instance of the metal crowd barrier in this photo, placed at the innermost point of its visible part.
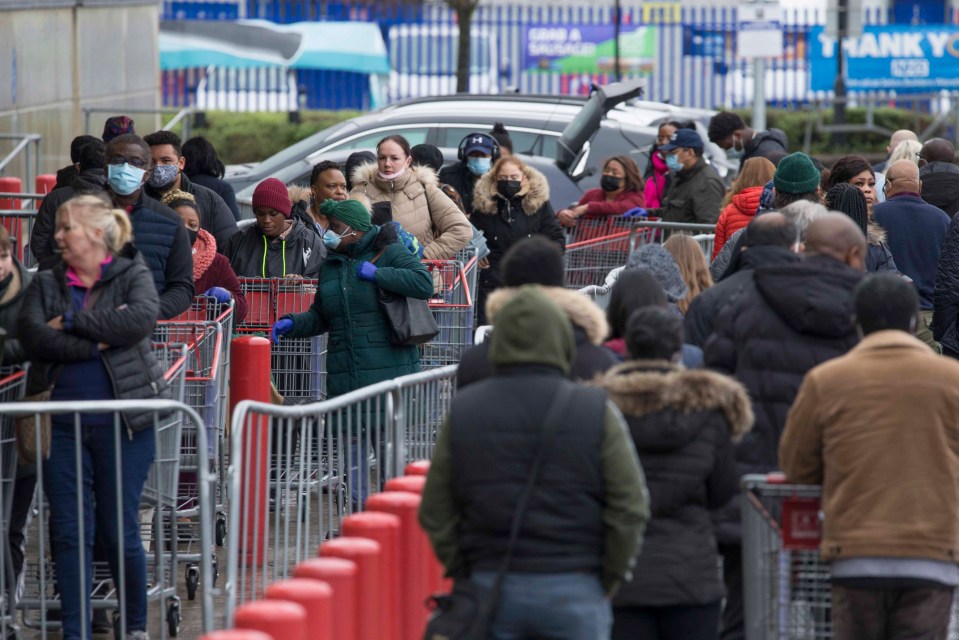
(38, 596)
(786, 586)
(19, 223)
(296, 471)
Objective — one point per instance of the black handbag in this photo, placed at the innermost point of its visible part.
(411, 321)
(465, 613)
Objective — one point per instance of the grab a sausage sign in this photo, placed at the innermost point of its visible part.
(903, 58)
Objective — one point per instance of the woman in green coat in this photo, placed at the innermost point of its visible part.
(362, 258)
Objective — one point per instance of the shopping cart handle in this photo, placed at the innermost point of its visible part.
(776, 477)
(636, 212)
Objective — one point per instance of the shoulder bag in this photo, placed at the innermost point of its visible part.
(34, 430)
(465, 613)
(411, 321)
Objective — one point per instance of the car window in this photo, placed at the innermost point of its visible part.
(527, 142)
(415, 136)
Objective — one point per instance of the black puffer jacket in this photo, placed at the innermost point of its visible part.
(122, 315)
(683, 424)
(42, 246)
(459, 177)
(946, 297)
(940, 185)
(790, 319)
(215, 217)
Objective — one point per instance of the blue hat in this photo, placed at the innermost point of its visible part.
(479, 142)
(683, 138)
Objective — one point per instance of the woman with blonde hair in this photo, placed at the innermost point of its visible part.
(691, 260)
(742, 200)
(86, 325)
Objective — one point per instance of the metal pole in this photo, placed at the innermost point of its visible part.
(617, 23)
(759, 94)
(839, 89)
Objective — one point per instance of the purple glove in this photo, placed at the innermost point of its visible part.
(280, 328)
(366, 271)
(636, 212)
(222, 295)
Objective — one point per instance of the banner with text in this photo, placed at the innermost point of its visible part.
(589, 49)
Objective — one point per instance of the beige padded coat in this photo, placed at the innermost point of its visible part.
(420, 206)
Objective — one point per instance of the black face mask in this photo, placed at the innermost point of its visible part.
(610, 183)
(192, 233)
(508, 188)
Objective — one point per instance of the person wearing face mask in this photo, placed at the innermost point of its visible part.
(729, 131)
(167, 174)
(416, 201)
(620, 189)
(278, 245)
(476, 154)
(656, 177)
(511, 202)
(158, 232)
(212, 274)
(696, 193)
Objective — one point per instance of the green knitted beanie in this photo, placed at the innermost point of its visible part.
(351, 212)
(796, 174)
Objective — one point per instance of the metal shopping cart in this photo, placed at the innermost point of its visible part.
(594, 247)
(454, 308)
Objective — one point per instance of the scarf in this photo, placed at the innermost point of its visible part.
(204, 250)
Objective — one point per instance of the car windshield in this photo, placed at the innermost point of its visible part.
(301, 149)
(424, 53)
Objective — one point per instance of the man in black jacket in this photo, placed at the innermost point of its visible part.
(696, 191)
(539, 261)
(479, 152)
(159, 233)
(770, 239)
(788, 319)
(729, 131)
(939, 175)
(167, 174)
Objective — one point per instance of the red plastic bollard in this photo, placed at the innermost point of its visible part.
(384, 528)
(45, 183)
(237, 634)
(367, 555)
(10, 184)
(417, 468)
(280, 618)
(421, 571)
(410, 484)
(341, 575)
(250, 380)
(315, 597)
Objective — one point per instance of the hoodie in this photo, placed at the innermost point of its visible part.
(253, 255)
(766, 144)
(940, 186)
(589, 505)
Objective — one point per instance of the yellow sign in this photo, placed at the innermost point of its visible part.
(662, 13)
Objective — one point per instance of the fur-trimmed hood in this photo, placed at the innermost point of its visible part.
(299, 194)
(534, 194)
(367, 175)
(640, 388)
(875, 235)
(582, 311)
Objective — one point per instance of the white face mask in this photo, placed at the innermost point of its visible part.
(392, 176)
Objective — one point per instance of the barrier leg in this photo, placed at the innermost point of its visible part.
(419, 566)
(279, 618)
(384, 528)
(341, 575)
(367, 555)
(315, 597)
(250, 380)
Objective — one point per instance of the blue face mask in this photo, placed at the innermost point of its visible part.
(478, 166)
(124, 179)
(673, 163)
(331, 239)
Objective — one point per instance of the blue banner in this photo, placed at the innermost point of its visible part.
(903, 58)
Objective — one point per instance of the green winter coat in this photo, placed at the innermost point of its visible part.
(359, 350)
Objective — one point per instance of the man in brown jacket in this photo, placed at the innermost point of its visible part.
(879, 429)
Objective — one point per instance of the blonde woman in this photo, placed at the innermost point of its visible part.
(691, 260)
(87, 322)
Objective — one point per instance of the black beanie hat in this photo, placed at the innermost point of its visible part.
(533, 260)
(357, 159)
(427, 155)
(846, 198)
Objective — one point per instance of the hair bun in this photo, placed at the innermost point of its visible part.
(499, 127)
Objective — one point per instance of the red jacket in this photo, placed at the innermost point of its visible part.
(737, 214)
(596, 199)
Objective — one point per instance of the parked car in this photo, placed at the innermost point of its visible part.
(568, 148)
(535, 126)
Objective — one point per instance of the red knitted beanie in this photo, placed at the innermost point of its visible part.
(272, 193)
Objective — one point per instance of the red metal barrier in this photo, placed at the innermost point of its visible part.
(237, 634)
(410, 484)
(367, 555)
(281, 619)
(341, 575)
(384, 528)
(418, 565)
(250, 380)
(315, 597)
(417, 468)
(45, 183)
(10, 184)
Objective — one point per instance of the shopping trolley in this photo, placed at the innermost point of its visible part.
(12, 385)
(454, 308)
(594, 247)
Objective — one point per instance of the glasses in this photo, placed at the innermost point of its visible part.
(133, 162)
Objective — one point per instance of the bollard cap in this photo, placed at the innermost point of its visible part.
(269, 611)
(387, 500)
(250, 340)
(411, 484)
(318, 568)
(371, 520)
(417, 468)
(237, 634)
(295, 589)
(351, 546)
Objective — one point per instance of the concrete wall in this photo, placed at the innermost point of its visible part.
(56, 59)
